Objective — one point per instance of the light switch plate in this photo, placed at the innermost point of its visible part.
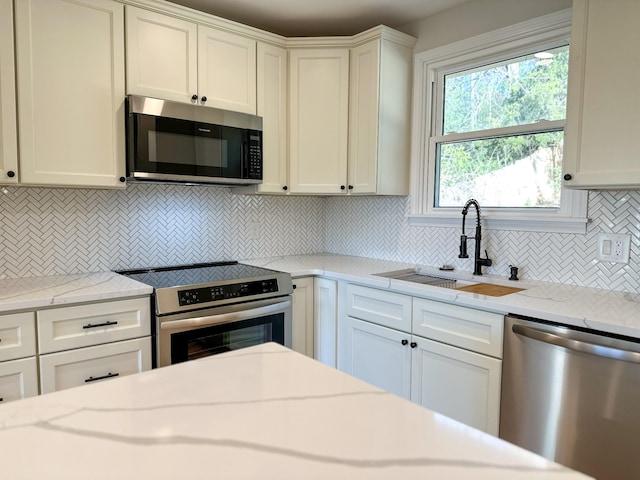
(613, 247)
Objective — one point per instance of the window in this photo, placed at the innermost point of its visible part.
(489, 124)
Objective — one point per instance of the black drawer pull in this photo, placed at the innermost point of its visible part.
(1, 399)
(105, 324)
(95, 379)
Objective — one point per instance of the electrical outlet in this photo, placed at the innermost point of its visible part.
(613, 247)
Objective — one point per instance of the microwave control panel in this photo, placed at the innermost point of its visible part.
(254, 166)
(197, 296)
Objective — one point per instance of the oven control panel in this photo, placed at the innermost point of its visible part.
(196, 296)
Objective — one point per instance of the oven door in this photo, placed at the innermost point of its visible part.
(202, 333)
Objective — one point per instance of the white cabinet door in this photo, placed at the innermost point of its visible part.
(378, 355)
(463, 327)
(18, 379)
(272, 107)
(457, 383)
(363, 117)
(302, 312)
(77, 326)
(603, 107)
(162, 56)
(385, 308)
(17, 335)
(319, 110)
(379, 115)
(84, 366)
(70, 72)
(226, 70)
(8, 131)
(325, 295)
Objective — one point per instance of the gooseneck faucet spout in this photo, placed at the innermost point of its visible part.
(479, 262)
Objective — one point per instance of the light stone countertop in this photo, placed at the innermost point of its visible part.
(263, 412)
(598, 309)
(38, 292)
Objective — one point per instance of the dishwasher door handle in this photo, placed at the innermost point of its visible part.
(566, 341)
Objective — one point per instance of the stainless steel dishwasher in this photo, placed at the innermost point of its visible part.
(573, 396)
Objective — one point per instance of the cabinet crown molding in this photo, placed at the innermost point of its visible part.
(185, 13)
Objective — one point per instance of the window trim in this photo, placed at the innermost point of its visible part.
(548, 30)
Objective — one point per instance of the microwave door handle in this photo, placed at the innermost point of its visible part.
(224, 317)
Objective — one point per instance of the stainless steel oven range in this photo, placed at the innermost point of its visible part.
(205, 309)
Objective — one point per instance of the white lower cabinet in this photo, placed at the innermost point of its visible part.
(442, 373)
(457, 383)
(18, 379)
(325, 312)
(302, 312)
(82, 366)
(378, 355)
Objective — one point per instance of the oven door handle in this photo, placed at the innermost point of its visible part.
(225, 317)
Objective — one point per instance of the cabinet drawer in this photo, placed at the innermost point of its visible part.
(389, 309)
(18, 379)
(84, 366)
(85, 325)
(462, 327)
(17, 336)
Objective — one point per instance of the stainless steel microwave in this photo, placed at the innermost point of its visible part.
(176, 142)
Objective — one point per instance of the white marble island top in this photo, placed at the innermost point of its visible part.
(594, 308)
(264, 412)
(38, 292)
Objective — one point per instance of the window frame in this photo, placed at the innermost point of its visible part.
(548, 31)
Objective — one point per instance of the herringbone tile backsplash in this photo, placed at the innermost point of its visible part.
(62, 231)
(377, 227)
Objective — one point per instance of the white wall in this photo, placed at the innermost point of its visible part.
(475, 17)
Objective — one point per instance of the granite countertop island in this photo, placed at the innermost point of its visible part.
(263, 412)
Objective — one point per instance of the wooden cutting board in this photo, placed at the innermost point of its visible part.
(490, 289)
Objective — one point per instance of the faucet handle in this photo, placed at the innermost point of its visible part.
(486, 261)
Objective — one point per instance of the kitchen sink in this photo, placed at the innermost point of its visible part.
(416, 275)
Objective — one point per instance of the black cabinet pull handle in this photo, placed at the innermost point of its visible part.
(405, 341)
(414, 344)
(204, 99)
(194, 97)
(342, 187)
(105, 324)
(122, 179)
(95, 379)
(295, 286)
(11, 174)
(350, 187)
(567, 176)
(1, 399)
(285, 188)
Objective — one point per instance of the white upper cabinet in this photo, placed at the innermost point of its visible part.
(379, 115)
(603, 108)
(350, 114)
(8, 133)
(319, 113)
(272, 107)
(70, 73)
(179, 60)
(226, 70)
(162, 56)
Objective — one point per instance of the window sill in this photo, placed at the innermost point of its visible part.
(525, 223)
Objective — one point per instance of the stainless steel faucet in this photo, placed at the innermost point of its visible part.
(479, 262)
